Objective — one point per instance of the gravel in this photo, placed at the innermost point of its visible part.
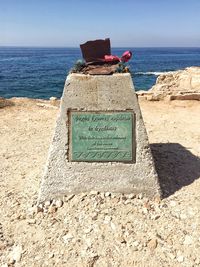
(100, 229)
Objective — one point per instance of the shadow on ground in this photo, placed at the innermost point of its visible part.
(176, 166)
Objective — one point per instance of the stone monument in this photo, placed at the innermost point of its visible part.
(100, 141)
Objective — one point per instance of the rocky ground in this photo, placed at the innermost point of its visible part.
(100, 229)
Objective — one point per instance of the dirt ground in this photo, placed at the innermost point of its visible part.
(100, 229)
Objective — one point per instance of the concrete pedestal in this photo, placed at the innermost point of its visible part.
(62, 176)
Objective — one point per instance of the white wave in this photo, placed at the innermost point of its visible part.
(14, 58)
(156, 73)
(7, 59)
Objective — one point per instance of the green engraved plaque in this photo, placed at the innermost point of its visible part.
(102, 136)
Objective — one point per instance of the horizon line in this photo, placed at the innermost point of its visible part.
(27, 46)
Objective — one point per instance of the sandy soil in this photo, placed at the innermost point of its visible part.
(100, 229)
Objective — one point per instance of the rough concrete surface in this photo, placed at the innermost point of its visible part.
(98, 93)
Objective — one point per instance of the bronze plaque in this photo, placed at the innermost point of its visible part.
(102, 136)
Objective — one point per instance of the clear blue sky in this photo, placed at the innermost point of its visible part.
(134, 23)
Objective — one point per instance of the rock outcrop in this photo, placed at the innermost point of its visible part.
(5, 102)
(179, 85)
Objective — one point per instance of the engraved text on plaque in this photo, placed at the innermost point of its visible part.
(102, 136)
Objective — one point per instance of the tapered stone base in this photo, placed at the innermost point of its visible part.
(101, 94)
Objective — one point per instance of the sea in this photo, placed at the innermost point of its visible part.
(41, 72)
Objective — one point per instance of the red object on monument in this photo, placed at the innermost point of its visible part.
(110, 58)
(99, 52)
(126, 56)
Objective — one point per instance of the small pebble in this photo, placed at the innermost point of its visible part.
(16, 254)
(172, 256)
(11, 261)
(120, 239)
(157, 199)
(135, 243)
(188, 240)
(51, 255)
(94, 216)
(53, 98)
(152, 244)
(87, 231)
(31, 221)
(67, 237)
(107, 219)
(131, 196)
(172, 203)
(155, 217)
(47, 203)
(93, 192)
(58, 203)
(52, 209)
(128, 201)
(36, 209)
(140, 196)
(112, 225)
(180, 258)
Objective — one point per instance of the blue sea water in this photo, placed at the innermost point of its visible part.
(41, 72)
